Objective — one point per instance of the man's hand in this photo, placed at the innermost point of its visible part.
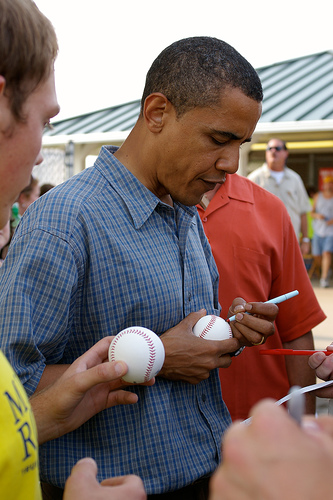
(83, 485)
(324, 369)
(254, 328)
(275, 458)
(90, 385)
(190, 358)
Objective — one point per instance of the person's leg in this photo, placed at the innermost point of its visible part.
(327, 249)
(317, 249)
(325, 264)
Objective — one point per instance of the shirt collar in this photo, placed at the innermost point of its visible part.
(235, 187)
(139, 200)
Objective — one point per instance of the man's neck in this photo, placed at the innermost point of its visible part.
(276, 168)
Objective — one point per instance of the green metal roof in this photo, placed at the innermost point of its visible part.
(295, 90)
(299, 89)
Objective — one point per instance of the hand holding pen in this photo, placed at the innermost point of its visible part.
(254, 321)
(322, 362)
(276, 300)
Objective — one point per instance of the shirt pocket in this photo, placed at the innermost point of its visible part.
(252, 271)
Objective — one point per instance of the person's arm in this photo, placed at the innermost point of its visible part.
(274, 457)
(298, 369)
(82, 484)
(88, 386)
(305, 241)
(314, 205)
(314, 213)
(191, 359)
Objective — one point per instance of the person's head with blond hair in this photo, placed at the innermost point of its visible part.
(28, 48)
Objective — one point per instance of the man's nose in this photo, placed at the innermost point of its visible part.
(229, 162)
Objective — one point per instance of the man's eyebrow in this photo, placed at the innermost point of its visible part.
(229, 135)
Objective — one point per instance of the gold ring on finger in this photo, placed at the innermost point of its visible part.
(261, 341)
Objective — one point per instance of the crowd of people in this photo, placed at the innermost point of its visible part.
(75, 274)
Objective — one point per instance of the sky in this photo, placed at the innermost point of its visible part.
(106, 47)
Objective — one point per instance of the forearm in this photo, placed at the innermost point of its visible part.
(304, 225)
(47, 427)
(41, 403)
(298, 370)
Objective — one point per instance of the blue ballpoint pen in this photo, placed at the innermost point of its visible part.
(276, 300)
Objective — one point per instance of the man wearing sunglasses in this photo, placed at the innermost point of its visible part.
(287, 185)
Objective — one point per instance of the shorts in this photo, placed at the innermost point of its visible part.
(321, 244)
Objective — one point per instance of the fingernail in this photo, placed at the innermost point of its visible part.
(119, 368)
(310, 426)
(239, 307)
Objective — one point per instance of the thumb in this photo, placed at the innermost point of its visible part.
(196, 315)
(85, 466)
(83, 476)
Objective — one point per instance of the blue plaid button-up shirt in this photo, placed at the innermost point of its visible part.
(93, 256)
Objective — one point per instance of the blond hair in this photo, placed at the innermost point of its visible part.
(28, 48)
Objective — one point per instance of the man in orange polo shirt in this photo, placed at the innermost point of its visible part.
(258, 258)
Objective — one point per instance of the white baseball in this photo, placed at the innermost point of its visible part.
(212, 327)
(141, 349)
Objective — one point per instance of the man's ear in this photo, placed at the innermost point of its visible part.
(156, 107)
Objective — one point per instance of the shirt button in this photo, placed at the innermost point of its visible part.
(189, 297)
(203, 398)
(204, 219)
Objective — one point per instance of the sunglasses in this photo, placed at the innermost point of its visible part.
(277, 148)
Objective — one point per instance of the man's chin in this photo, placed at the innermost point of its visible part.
(191, 201)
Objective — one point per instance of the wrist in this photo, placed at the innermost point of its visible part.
(46, 425)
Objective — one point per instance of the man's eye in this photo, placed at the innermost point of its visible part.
(218, 143)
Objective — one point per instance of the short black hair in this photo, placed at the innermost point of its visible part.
(192, 72)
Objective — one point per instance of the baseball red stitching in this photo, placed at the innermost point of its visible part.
(151, 349)
(209, 325)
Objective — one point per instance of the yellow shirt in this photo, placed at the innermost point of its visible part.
(19, 472)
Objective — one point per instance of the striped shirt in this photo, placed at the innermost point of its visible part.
(93, 256)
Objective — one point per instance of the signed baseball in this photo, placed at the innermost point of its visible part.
(141, 349)
(212, 327)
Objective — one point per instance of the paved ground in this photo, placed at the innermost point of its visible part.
(323, 333)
